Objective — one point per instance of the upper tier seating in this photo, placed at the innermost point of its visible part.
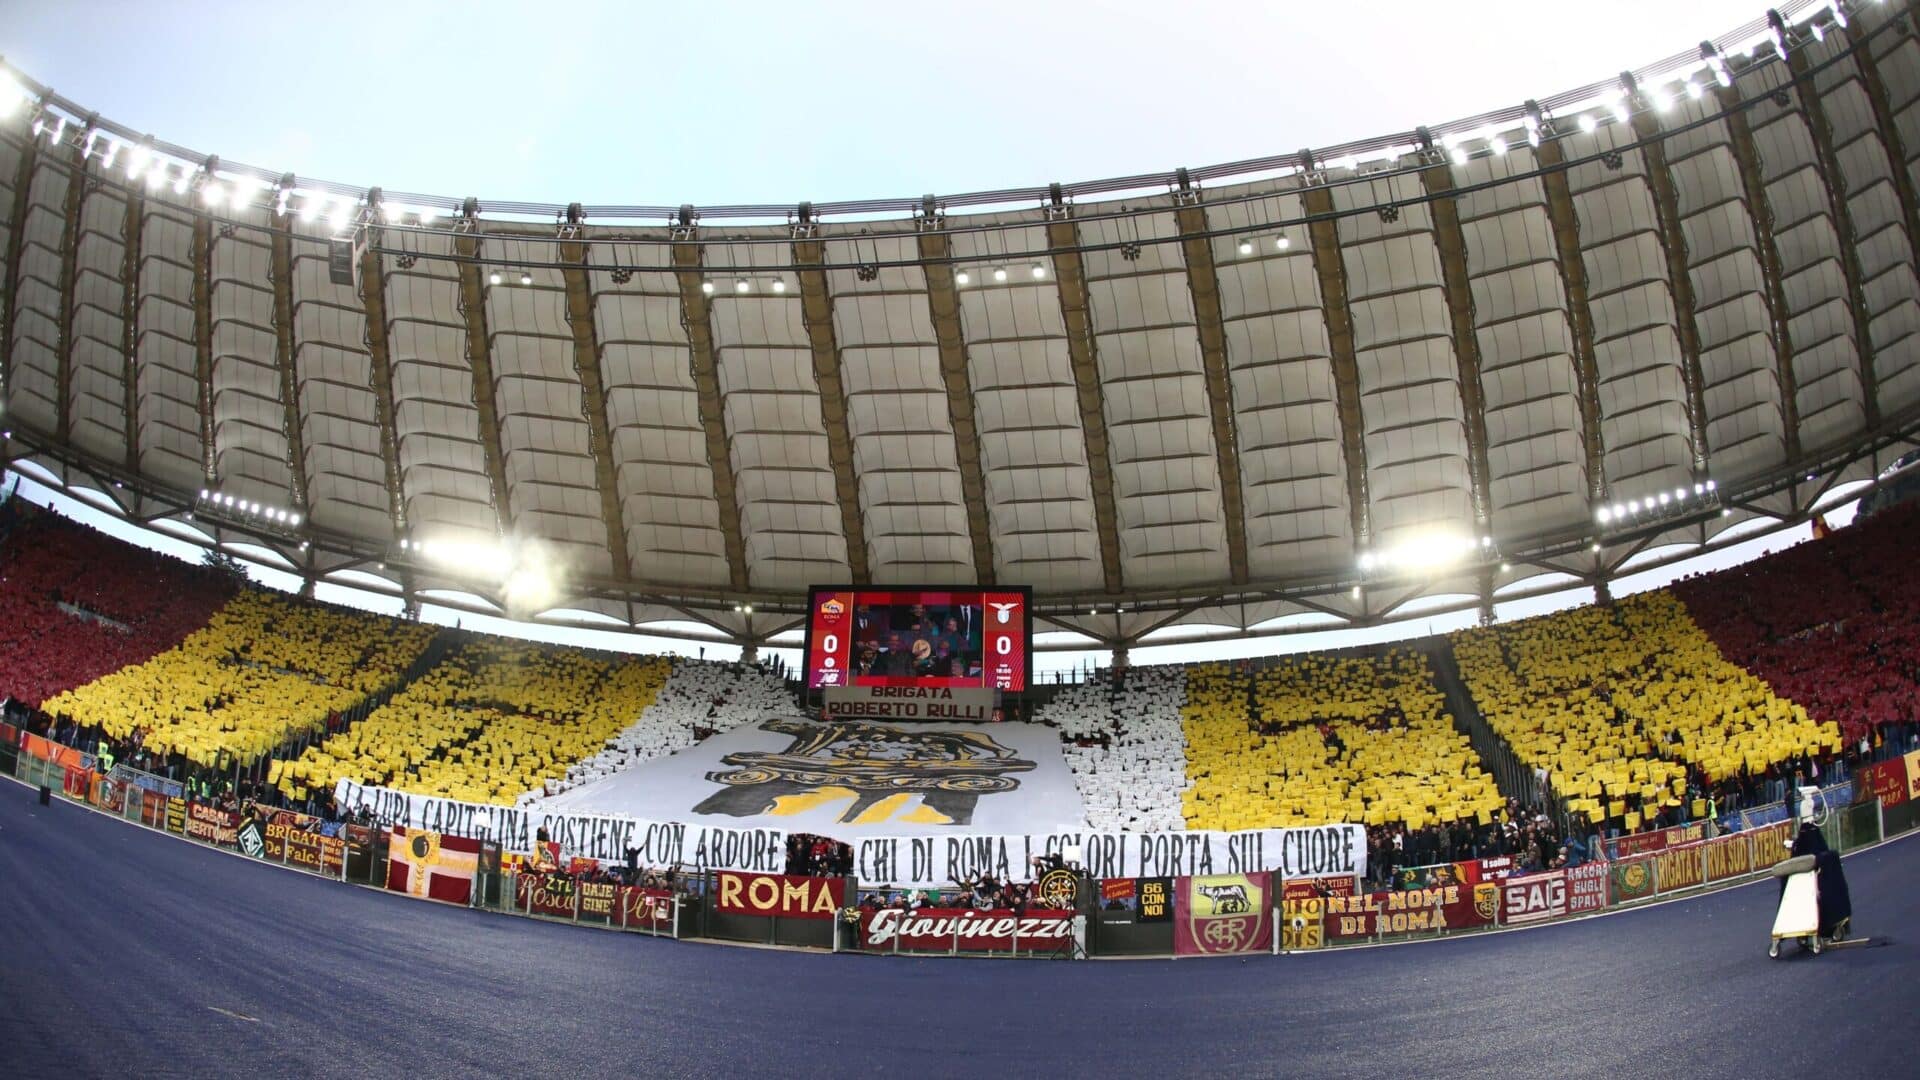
(48, 562)
(492, 721)
(265, 668)
(698, 699)
(1308, 739)
(1616, 703)
(1125, 747)
(1829, 624)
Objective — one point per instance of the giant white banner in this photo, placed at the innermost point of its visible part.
(922, 861)
(850, 779)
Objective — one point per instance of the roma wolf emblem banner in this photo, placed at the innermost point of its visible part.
(850, 778)
(1223, 914)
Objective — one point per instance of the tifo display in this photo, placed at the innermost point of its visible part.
(1617, 733)
(918, 637)
(1058, 912)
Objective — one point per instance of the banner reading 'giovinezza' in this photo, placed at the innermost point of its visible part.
(899, 862)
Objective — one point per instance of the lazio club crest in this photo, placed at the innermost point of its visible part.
(879, 765)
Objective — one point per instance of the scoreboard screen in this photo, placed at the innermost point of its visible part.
(943, 637)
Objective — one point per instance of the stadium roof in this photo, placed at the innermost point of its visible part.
(1361, 381)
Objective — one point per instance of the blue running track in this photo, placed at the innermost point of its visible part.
(130, 953)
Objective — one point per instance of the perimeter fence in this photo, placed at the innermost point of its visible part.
(1071, 915)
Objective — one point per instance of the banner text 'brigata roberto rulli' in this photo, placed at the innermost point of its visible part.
(928, 861)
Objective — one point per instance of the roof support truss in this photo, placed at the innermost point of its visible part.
(1746, 159)
(1889, 130)
(1076, 311)
(1204, 284)
(473, 305)
(373, 301)
(69, 271)
(132, 230)
(1828, 166)
(280, 257)
(816, 310)
(1331, 268)
(16, 243)
(1573, 279)
(1437, 180)
(593, 401)
(202, 256)
(698, 317)
(943, 301)
(1673, 240)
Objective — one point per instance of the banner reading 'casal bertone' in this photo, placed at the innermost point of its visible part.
(880, 861)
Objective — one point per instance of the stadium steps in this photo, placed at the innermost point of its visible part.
(1511, 775)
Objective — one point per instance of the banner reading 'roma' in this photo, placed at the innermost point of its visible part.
(779, 895)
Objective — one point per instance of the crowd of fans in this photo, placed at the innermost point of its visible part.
(1629, 714)
(818, 856)
(1635, 715)
(76, 604)
(1532, 839)
(492, 721)
(982, 892)
(1828, 624)
(265, 668)
(1300, 740)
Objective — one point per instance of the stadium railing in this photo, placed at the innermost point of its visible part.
(1107, 918)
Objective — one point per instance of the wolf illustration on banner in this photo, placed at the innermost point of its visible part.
(949, 770)
(1223, 914)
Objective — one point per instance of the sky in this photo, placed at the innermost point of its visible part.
(641, 103)
(644, 103)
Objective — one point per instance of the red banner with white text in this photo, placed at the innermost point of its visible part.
(965, 930)
(1655, 840)
(212, 825)
(646, 909)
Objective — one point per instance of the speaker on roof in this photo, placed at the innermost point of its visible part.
(343, 257)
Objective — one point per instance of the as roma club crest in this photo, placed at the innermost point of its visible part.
(949, 770)
(1486, 900)
(1225, 914)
